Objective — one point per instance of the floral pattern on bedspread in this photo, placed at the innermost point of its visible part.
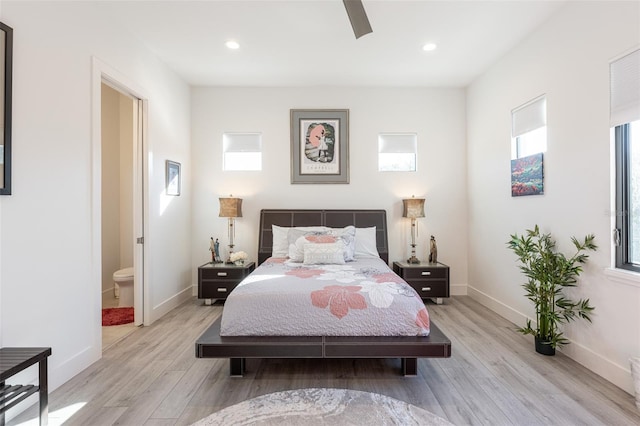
(339, 299)
(362, 298)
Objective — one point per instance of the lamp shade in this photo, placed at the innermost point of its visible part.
(413, 208)
(230, 207)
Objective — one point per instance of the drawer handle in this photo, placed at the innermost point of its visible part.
(426, 288)
(426, 272)
(222, 289)
(222, 274)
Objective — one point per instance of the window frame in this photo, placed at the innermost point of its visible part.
(383, 141)
(623, 198)
(228, 147)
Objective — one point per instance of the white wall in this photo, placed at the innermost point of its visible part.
(436, 115)
(568, 60)
(50, 282)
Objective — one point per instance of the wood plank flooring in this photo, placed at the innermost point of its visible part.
(494, 377)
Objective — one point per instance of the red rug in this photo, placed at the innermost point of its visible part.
(117, 316)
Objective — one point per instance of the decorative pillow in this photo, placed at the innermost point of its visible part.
(366, 245)
(324, 254)
(297, 239)
(280, 247)
(348, 236)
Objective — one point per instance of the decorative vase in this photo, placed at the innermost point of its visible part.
(239, 262)
(544, 347)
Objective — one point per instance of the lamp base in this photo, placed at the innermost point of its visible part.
(413, 260)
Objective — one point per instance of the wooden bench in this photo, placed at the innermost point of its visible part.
(13, 361)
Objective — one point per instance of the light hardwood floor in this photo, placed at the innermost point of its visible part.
(113, 333)
(494, 377)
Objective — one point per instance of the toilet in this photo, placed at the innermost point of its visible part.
(123, 286)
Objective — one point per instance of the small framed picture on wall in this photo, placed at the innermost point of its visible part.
(173, 178)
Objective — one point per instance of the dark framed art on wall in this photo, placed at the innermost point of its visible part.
(319, 146)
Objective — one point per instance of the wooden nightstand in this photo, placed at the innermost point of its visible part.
(430, 280)
(217, 280)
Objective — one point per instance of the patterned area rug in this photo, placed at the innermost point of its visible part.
(323, 407)
(117, 316)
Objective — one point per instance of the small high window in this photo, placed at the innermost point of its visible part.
(242, 151)
(529, 128)
(397, 152)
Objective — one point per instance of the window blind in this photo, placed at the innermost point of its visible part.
(529, 116)
(242, 142)
(397, 143)
(624, 77)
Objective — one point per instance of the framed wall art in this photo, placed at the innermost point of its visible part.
(320, 146)
(527, 175)
(173, 178)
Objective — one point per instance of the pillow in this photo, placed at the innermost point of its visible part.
(324, 254)
(297, 238)
(280, 247)
(348, 236)
(366, 242)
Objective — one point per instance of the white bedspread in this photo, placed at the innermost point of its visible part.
(361, 298)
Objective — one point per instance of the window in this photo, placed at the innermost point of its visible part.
(529, 128)
(625, 123)
(242, 151)
(397, 152)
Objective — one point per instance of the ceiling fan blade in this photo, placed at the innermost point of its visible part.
(358, 17)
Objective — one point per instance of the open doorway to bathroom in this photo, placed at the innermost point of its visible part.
(121, 212)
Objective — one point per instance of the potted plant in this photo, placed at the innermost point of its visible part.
(548, 273)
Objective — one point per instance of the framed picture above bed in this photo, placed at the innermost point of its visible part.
(320, 146)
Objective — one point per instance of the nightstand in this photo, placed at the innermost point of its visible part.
(430, 280)
(217, 280)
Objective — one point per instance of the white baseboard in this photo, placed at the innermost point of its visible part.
(616, 374)
(458, 289)
(159, 310)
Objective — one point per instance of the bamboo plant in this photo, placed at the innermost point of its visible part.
(548, 272)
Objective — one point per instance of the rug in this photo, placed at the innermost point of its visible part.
(117, 316)
(318, 406)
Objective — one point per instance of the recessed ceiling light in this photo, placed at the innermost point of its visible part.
(231, 44)
(429, 47)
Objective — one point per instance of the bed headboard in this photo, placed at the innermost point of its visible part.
(330, 218)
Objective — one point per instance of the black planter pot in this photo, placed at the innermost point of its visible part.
(544, 347)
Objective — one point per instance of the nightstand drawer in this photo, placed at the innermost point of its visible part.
(431, 288)
(221, 273)
(424, 272)
(217, 289)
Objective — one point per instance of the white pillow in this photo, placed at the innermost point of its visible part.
(324, 254)
(280, 247)
(366, 242)
(348, 236)
(297, 240)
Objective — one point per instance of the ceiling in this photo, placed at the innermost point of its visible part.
(311, 43)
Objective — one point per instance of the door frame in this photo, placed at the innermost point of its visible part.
(103, 73)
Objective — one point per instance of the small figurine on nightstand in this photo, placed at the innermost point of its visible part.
(215, 251)
(433, 253)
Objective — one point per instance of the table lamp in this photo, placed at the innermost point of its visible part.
(413, 209)
(231, 208)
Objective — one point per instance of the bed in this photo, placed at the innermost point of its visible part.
(211, 344)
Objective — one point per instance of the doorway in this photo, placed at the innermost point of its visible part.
(122, 117)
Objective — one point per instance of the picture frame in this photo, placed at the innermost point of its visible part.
(6, 73)
(173, 178)
(319, 146)
(527, 175)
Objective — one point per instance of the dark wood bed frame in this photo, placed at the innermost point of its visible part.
(237, 348)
